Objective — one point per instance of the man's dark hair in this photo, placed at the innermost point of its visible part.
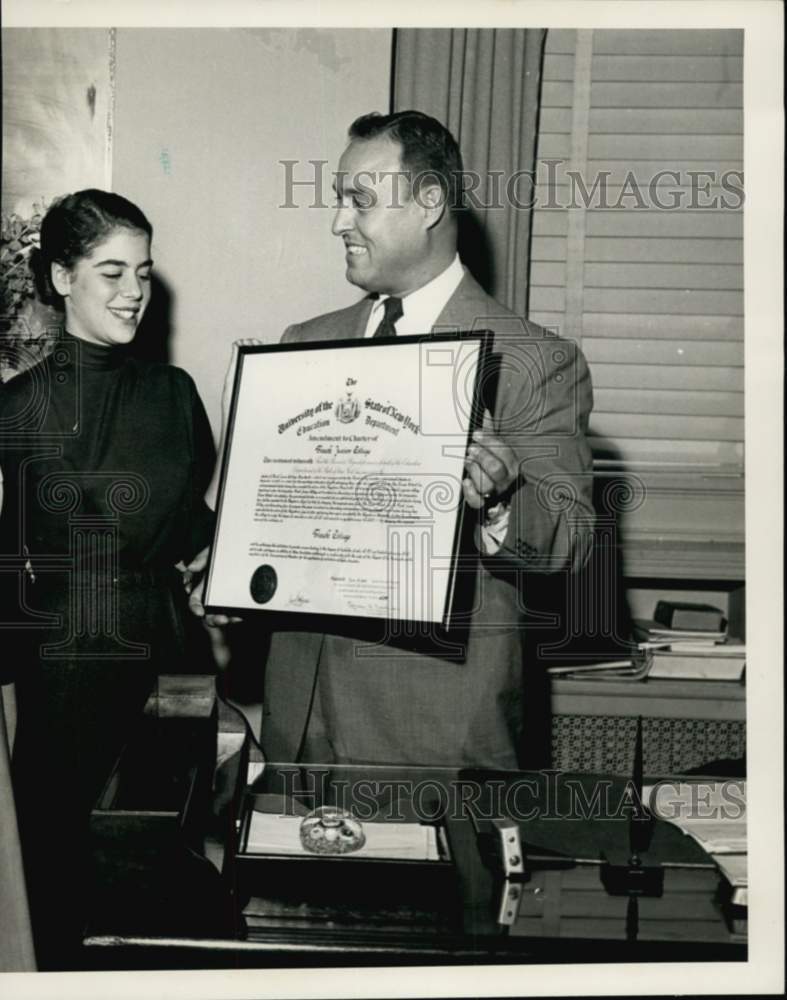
(74, 226)
(429, 151)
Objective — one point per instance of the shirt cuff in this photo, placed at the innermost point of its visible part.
(494, 528)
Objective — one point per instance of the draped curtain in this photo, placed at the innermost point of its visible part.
(16, 940)
(483, 84)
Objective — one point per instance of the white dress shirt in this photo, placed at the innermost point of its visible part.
(421, 307)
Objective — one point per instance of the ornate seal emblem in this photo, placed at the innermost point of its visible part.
(347, 409)
(328, 830)
(263, 584)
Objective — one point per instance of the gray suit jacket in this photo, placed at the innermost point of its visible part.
(387, 703)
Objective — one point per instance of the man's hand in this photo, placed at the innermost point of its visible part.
(491, 466)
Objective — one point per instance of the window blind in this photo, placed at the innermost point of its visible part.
(657, 299)
(637, 253)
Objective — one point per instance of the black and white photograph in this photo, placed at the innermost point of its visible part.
(391, 499)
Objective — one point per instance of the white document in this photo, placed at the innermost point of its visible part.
(341, 492)
(272, 834)
(713, 813)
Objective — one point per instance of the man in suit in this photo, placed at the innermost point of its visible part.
(341, 699)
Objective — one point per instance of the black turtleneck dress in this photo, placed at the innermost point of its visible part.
(105, 461)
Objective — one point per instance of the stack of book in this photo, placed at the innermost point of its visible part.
(648, 633)
(681, 642)
(719, 663)
(689, 641)
(634, 667)
(663, 664)
(683, 627)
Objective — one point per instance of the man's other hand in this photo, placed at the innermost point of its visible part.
(491, 466)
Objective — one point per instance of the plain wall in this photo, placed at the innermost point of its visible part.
(56, 105)
(202, 119)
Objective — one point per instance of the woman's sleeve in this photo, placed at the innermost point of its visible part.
(202, 461)
(10, 564)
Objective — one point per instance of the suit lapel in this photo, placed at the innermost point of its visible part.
(470, 307)
(468, 301)
(355, 325)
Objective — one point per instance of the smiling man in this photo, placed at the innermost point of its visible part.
(398, 230)
(337, 698)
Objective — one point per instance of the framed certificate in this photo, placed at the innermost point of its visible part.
(341, 484)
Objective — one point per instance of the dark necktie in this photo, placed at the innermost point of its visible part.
(393, 312)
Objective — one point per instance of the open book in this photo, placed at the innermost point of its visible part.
(713, 813)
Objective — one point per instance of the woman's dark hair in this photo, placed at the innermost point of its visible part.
(74, 225)
(429, 151)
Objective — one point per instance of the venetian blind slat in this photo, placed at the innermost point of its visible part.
(649, 251)
(663, 147)
(560, 41)
(643, 300)
(674, 300)
(644, 275)
(661, 322)
(650, 327)
(703, 402)
(667, 428)
(680, 174)
(560, 67)
(645, 121)
(642, 326)
(691, 379)
(676, 68)
(709, 354)
(664, 95)
(694, 42)
(631, 452)
(663, 251)
(647, 223)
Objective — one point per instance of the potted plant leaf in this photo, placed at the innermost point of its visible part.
(28, 327)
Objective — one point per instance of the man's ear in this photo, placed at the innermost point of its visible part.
(61, 278)
(432, 200)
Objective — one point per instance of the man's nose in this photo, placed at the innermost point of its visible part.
(342, 221)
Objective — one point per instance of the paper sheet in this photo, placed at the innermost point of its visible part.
(273, 834)
(713, 813)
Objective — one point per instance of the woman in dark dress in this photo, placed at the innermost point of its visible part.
(105, 461)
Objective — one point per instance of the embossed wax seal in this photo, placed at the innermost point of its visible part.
(328, 830)
(263, 584)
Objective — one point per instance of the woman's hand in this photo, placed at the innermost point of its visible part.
(194, 569)
(229, 378)
(226, 401)
(198, 608)
(194, 584)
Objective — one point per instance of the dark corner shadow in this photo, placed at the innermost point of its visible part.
(613, 495)
(153, 341)
(475, 249)
(591, 617)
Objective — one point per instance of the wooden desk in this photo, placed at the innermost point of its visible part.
(347, 911)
